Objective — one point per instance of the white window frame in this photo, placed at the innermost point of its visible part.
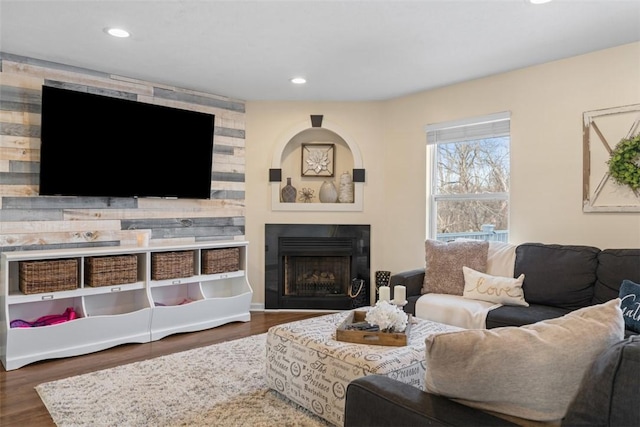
(489, 126)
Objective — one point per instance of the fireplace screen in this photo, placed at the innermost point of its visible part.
(316, 275)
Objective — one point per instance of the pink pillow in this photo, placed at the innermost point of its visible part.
(444, 262)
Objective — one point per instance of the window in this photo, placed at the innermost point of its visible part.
(468, 178)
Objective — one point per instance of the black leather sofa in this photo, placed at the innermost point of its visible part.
(609, 395)
(558, 279)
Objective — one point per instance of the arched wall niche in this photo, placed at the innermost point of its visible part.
(287, 158)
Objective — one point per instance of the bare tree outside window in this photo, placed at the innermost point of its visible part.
(470, 188)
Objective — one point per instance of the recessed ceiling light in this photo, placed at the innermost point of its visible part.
(117, 32)
(539, 1)
(298, 80)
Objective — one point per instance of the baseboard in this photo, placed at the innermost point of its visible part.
(256, 306)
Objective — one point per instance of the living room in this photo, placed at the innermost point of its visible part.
(546, 101)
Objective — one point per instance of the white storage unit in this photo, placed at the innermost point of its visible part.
(200, 301)
(141, 311)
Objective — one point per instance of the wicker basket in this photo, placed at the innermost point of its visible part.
(48, 275)
(220, 260)
(169, 265)
(110, 270)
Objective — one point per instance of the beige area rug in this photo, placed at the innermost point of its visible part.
(218, 385)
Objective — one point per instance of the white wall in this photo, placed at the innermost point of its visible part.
(546, 102)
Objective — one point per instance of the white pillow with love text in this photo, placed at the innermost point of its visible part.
(485, 287)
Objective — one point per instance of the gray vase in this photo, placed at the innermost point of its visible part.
(288, 192)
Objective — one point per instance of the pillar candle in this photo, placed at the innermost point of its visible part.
(143, 239)
(385, 293)
(399, 294)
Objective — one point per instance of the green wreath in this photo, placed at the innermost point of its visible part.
(624, 162)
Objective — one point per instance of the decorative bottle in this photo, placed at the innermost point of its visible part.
(288, 192)
(346, 188)
(328, 192)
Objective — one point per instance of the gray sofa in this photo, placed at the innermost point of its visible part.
(558, 279)
(609, 395)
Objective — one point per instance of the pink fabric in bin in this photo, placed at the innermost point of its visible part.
(51, 319)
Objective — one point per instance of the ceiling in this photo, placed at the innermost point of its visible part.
(347, 50)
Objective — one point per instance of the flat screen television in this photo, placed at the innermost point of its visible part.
(96, 145)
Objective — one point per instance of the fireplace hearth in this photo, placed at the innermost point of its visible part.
(315, 266)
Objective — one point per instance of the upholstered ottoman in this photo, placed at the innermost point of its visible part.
(306, 364)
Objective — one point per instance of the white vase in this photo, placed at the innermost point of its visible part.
(328, 192)
(346, 188)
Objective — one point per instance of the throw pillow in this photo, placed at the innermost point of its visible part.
(444, 262)
(630, 297)
(530, 371)
(485, 287)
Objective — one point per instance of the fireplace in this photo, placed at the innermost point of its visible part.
(315, 266)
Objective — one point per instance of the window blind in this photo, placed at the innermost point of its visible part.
(490, 126)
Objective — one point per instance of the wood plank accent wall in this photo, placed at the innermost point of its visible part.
(30, 221)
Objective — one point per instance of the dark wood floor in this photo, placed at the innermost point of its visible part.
(21, 406)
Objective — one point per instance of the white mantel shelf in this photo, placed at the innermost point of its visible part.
(277, 205)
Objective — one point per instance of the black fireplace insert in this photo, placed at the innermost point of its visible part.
(311, 266)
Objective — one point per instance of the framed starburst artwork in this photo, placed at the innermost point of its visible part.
(318, 159)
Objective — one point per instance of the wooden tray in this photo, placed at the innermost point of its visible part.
(397, 339)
